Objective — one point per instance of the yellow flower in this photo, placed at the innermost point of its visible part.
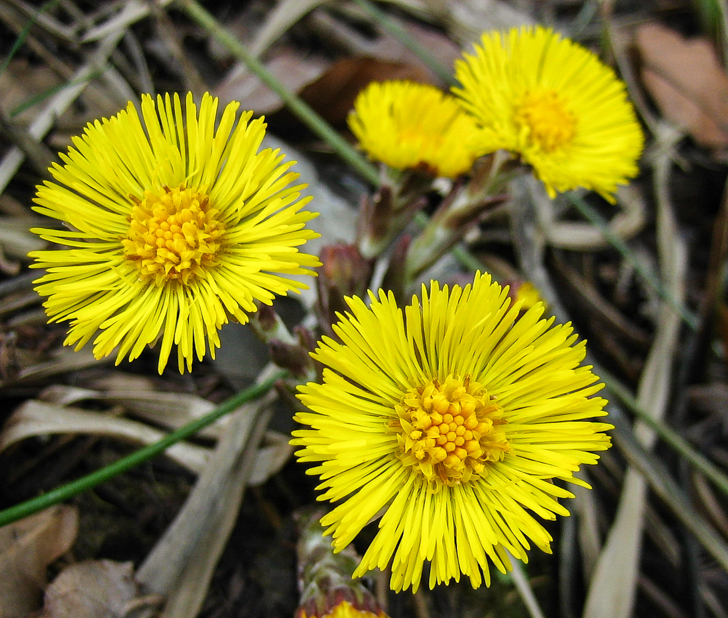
(556, 105)
(526, 293)
(172, 227)
(450, 418)
(408, 125)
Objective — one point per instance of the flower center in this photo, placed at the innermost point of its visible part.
(173, 235)
(448, 432)
(549, 123)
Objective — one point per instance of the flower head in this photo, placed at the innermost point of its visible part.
(556, 105)
(173, 228)
(408, 125)
(452, 418)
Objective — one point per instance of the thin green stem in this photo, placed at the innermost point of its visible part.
(620, 245)
(14, 513)
(667, 434)
(24, 34)
(298, 107)
(34, 100)
(467, 260)
(399, 33)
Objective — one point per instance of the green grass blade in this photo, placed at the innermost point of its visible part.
(14, 513)
(24, 35)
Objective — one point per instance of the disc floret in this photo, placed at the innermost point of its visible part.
(546, 120)
(449, 431)
(174, 235)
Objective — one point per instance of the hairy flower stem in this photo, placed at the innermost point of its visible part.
(325, 578)
(384, 215)
(465, 205)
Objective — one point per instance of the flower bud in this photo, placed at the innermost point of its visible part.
(325, 578)
(344, 272)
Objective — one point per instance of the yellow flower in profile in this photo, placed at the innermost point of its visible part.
(451, 418)
(408, 125)
(556, 105)
(172, 228)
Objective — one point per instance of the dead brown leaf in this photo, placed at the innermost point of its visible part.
(27, 548)
(91, 589)
(686, 80)
(332, 95)
(330, 87)
(342, 33)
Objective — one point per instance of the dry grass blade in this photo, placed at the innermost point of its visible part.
(16, 239)
(270, 457)
(280, 19)
(614, 584)
(181, 564)
(38, 154)
(131, 12)
(44, 20)
(524, 589)
(35, 418)
(584, 236)
(466, 20)
(13, 159)
(64, 361)
(171, 410)
(710, 503)
(590, 541)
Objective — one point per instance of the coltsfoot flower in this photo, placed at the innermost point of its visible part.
(173, 227)
(556, 105)
(451, 418)
(408, 125)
